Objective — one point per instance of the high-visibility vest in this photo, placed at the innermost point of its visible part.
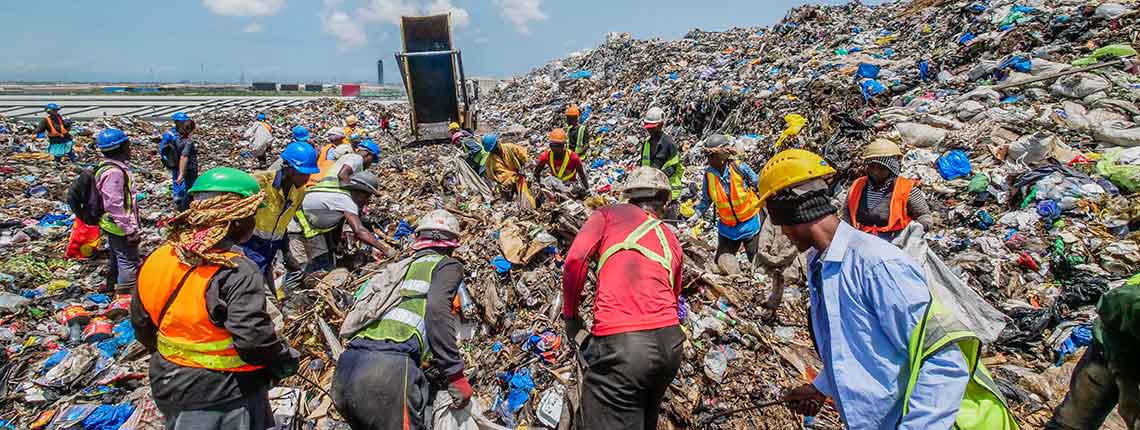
(307, 229)
(272, 219)
(408, 318)
(675, 180)
(481, 157)
(55, 130)
(898, 218)
(651, 224)
(174, 295)
(266, 125)
(578, 139)
(348, 132)
(106, 222)
(983, 406)
(739, 204)
(560, 172)
(323, 163)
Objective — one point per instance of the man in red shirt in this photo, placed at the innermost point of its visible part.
(564, 163)
(635, 350)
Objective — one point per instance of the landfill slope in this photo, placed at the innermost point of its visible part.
(1041, 221)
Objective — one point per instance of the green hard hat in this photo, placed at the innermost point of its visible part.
(226, 180)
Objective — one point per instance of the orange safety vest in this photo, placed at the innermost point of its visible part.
(174, 295)
(898, 218)
(348, 132)
(560, 173)
(323, 163)
(739, 204)
(61, 131)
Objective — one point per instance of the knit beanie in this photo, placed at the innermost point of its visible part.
(801, 204)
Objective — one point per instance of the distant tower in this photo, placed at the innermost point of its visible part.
(380, 72)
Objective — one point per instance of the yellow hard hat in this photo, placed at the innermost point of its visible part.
(881, 148)
(790, 167)
(453, 126)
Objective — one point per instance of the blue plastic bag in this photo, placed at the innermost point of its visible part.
(501, 264)
(403, 230)
(581, 74)
(867, 70)
(108, 417)
(955, 164)
(1017, 62)
(924, 70)
(1048, 211)
(122, 335)
(966, 38)
(870, 88)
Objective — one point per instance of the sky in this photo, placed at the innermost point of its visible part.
(327, 40)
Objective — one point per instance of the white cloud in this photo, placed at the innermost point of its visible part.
(243, 7)
(522, 12)
(390, 11)
(480, 40)
(348, 32)
(253, 27)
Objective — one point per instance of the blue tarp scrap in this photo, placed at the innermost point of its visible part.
(924, 70)
(581, 74)
(868, 70)
(108, 417)
(403, 230)
(501, 264)
(966, 38)
(870, 88)
(521, 384)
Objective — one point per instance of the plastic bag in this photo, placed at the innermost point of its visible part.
(962, 301)
(1117, 132)
(84, 240)
(1107, 52)
(955, 164)
(468, 418)
(795, 123)
(920, 135)
(1125, 176)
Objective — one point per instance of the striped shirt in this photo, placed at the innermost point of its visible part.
(877, 201)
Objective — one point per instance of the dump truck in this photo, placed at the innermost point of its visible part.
(432, 70)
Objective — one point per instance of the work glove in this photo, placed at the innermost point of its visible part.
(573, 328)
(805, 400)
(460, 391)
(288, 364)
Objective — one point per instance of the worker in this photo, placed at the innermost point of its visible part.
(504, 164)
(328, 152)
(284, 188)
(259, 136)
(731, 185)
(870, 305)
(882, 202)
(351, 130)
(564, 164)
(474, 154)
(1106, 377)
(120, 220)
(578, 133)
(180, 155)
(635, 350)
(661, 151)
(200, 310)
(326, 208)
(352, 163)
(393, 367)
(59, 139)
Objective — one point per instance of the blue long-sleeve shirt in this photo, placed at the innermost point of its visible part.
(741, 230)
(867, 296)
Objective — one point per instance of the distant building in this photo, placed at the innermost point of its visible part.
(265, 86)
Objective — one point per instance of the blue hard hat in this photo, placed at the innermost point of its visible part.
(490, 141)
(300, 133)
(51, 106)
(180, 116)
(302, 157)
(371, 147)
(110, 139)
(261, 117)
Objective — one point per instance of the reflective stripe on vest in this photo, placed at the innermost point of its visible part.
(678, 173)
(982, 406)
(898, 218)
(739, 204)
(53, 131)
(481, 157)
(560, 173)
(323, 163)
(408, 319)
(630, 243)
(106, 222)
(579, 143)
(324, 186)
(186, 336)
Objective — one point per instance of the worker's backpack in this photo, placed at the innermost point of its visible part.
(168, 151)
(375, 298)
(84, 198)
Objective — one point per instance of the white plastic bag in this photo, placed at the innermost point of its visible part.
(468, 418)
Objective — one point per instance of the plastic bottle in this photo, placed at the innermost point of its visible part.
(520, 336)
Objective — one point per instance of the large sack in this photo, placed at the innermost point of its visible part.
(380, 294)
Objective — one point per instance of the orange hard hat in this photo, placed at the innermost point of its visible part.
(558, 135)
(572, 110)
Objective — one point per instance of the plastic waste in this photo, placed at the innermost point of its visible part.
(795, 123)
(920, 135)
(954, 164)
(1126, 177)
(716, 361)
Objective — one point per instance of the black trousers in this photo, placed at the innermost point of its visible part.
(725, 245)
(626, 377)
(380, 391)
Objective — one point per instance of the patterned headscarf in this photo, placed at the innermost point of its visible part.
(891, 163)
(196, 231)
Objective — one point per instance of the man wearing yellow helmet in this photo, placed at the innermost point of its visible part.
(893, 357)
(882, 202)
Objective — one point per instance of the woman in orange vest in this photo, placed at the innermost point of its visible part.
(59, 139)
(882, 202)
(200, 310)
(564, 164)
(731, 186)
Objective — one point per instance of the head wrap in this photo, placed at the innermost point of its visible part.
(801, 204)
(434, 239)
(890, 162)
(196, 231)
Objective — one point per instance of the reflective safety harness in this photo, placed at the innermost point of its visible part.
(737, 205)
(983, 406)
(408, 318)
(323, 163)
(560, 173)
(106, 222)
(579, 142)
(307, 229)
(665, 259)
(900, 195)
(53, 129)
(266, 125)
(675, 179)
(174, 296)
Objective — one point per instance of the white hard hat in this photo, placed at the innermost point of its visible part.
(439, 220)
(335, 133)
(654, 117)
(645, 182)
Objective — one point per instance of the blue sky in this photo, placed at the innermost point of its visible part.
(329, 40)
